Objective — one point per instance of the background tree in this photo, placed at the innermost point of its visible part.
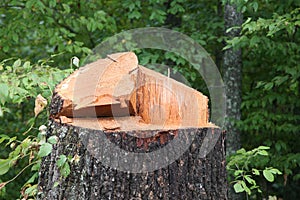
(232, 76)
(232, 70)
(270, 41)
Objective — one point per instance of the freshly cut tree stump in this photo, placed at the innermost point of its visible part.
(131, 133)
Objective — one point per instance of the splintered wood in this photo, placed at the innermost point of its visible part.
(116, 93)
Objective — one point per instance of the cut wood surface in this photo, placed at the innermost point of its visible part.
(132, 134)
(116, 93)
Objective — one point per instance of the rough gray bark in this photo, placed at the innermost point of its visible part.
(189, 177)
(232, 68)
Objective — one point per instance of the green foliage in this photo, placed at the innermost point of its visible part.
(246, 167)
(63, 165)
(21, 81)
(45, 150)
(20, 84)
(53, 25)
(271, 71)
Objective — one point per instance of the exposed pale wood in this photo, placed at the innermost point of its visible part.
(117, 86)
(164, 101)
(113, 101)
(103, 84)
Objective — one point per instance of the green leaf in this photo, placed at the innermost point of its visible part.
(4, 166)
(86, 50)
(254, 40)
(269, 86)
(268, 175)
(296, 177)
(238, 172)
(275, 171)
(250, 180)
(246, 187)
(52, 3)
(27, 65)
(263, 148)
(11, 140)
(61, 161)
(45, 150)
(255, 6)
(5, 48)
(232, 28)
(278, 146)
(255, 171)
(17, 64)
(63, 165)
(66, 7)
(3, 137)
(238, 187)
(53, 139)
(259, 190)
(263, 153)
(134, 15)
(32, 178)
(4, 92)
(25, 145)
(15, 37)
(36, 166)
(30, 3)
(31, 190)
(55, 184)
(65, 170)
(193, 76)
(241, 151)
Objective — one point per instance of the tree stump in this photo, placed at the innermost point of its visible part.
(131, 133)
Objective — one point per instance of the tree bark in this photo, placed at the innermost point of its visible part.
(191, 176)
(232, 68)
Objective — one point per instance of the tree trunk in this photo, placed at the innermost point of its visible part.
(189, 177)
(131, 133)
(232, 68)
